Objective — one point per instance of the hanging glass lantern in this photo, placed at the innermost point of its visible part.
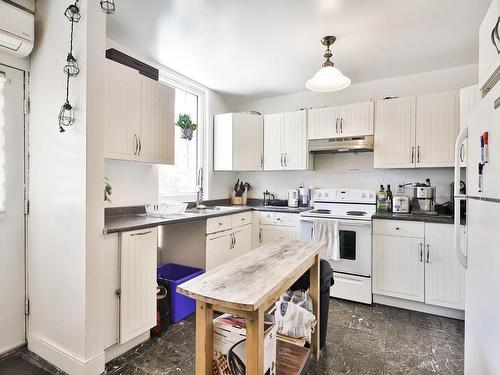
(72, 13)
(108, 6)
(66, 116)
(71, 68)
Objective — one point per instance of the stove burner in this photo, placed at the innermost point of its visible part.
(322, 211)
(356, 213)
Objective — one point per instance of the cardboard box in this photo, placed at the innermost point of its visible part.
(229, 349)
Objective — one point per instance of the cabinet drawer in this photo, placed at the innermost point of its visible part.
(241, 219)
(217, 224)
(399, 228)
(279, 218)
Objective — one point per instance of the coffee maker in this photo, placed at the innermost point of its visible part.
(423, 196)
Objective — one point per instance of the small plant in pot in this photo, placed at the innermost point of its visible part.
(187, 126)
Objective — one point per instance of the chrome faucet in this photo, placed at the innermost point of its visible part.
(199, 182)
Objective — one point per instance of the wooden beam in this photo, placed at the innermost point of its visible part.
(204, 338)
(255, 344)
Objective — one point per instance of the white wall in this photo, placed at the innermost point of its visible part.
(350, 170)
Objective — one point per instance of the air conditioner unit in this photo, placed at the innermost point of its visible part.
(17, 30)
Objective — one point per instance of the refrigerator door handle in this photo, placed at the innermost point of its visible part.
(462, 258)
(458, 151)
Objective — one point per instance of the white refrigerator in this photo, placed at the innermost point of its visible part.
(479, 249)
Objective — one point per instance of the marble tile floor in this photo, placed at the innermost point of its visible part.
(361, 340)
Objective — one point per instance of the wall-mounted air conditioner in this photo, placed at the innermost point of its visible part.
(17, 30)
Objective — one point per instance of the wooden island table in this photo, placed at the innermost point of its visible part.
(247, 286)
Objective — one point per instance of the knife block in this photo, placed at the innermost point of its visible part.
(239, 200)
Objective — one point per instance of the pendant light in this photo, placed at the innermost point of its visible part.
(328, 78)
(108, 6)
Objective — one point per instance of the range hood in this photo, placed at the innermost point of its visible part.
(338, 145)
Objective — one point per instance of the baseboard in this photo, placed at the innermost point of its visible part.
(419, 306)
(67, 362)
(118, 349)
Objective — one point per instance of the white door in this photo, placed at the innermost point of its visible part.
(269, 233)
(356, 119)
(242, 241)
(322, 123)
(156, 140)
(123, 114)
(395, 133)
(138, 261)
(437, 129)
(294, 137)
(444, 275)
(273, 154)
(12, 263)
(248, 142)
(398, 267)
(217, 249)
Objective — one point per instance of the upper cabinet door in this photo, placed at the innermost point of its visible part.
(323, 123)
(437, 129)
(223, 142)
(395, 133)
(294, 146)
(157, 139)
(489, 45)
(273, 154)
(248, 142)
(123, 114)
(355, 119)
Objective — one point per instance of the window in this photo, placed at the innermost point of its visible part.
(2, 143)
(179, 181)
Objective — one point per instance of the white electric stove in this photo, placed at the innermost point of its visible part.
(354, 209)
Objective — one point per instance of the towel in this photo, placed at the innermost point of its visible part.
(328, 232)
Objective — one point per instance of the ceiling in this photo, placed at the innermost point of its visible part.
(262, 48)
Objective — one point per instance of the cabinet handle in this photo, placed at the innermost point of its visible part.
(462, 152)
(341, 125)
(397, 228)
(428, 253)
(136, 144)
(282, 160)
(262, 160)
(494, 33)
(234, 243)
(312, 232)
(140, 234)
(286, 160)
(260, 235)
(418, 154)
(421, 252)
(412, 154)
(336, 125)
(140, 146)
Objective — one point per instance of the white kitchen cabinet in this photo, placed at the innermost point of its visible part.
(157, 138)
(138, 261)
(437, 129)
(469, 98)
(238, 142)
(341, 121)
(269, 233)
(444, 276)
(140, 120)
(218, 248)
(123, 114)
(242, 241)
(398, 267)
(273, 155)
(489, 54)
(285, 141)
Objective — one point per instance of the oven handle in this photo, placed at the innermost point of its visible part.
(351, 223)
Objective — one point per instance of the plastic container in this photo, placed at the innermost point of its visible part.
(174, 208)
(176, 274)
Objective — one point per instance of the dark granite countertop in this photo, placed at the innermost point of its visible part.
(122, 219)
(439, 218)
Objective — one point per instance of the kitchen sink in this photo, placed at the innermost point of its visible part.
(211, 209)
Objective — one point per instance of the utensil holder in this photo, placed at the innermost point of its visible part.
(239, 200)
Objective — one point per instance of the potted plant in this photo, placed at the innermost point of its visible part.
(108, 190)
(187, 126)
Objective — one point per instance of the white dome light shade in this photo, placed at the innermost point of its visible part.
(328, 79)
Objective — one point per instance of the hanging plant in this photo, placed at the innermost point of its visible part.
(108, 190)
(67, 113)
(187, 126)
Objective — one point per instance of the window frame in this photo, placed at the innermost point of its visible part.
(182, 83)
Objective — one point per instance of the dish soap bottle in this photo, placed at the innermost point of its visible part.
(389, 198)
(381, 200)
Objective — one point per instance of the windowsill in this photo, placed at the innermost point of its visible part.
(187, 197)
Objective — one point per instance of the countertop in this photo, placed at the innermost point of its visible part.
(122, 219)
(439, 218)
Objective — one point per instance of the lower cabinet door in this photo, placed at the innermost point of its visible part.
(242, 242)
(444, 275)
(398, 267)
(218, 249)
(138, 253)
(268, 233)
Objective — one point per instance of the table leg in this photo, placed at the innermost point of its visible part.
(204, 338)
(315, 296)
(255, 343)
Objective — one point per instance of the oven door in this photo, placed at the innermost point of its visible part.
(355, 245)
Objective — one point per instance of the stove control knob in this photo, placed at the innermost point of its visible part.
(363, 195)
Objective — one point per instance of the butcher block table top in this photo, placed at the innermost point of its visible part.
(247, 282)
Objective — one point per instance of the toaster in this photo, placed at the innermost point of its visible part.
(400, 204)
